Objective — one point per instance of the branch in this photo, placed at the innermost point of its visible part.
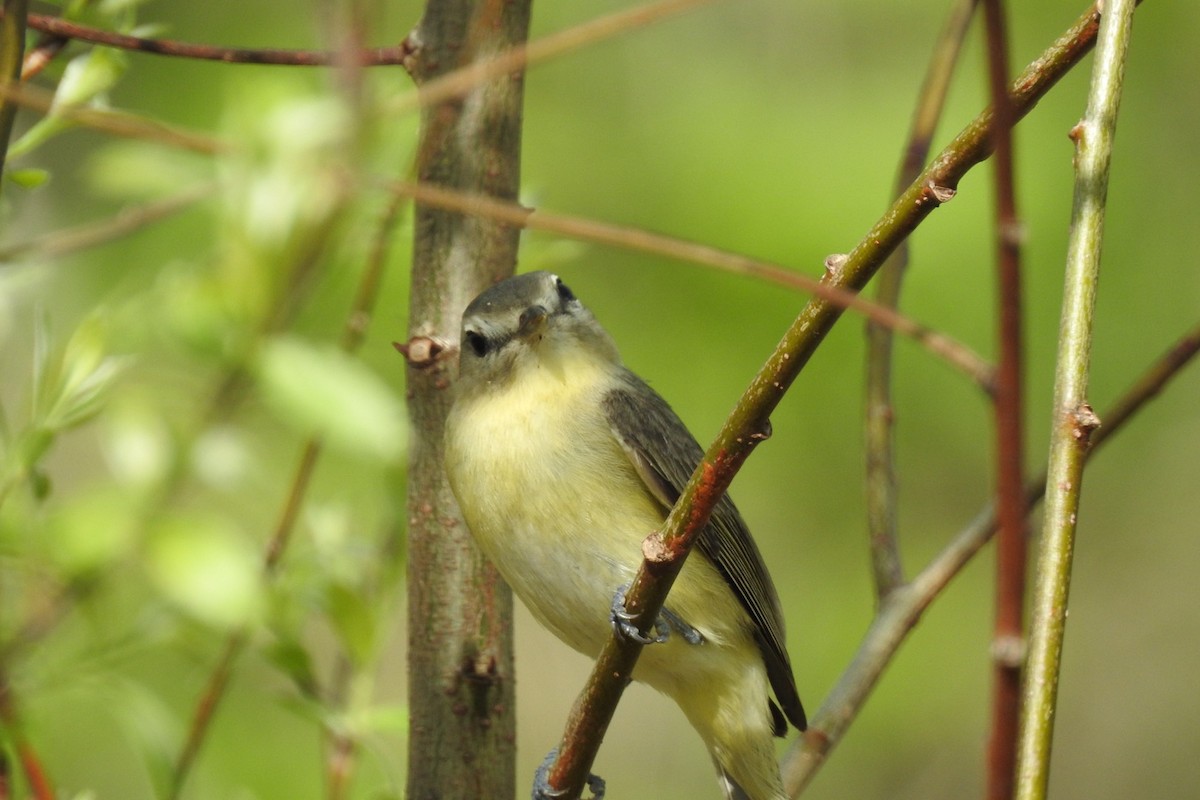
(1007, 644)
(40, 785)
(953, 352)
(65, 29)
(746, 426)
(881, 495)
(903, 607)
(456, 83)
(116, 123)
(1073, 420)
(460, 662)
(126, 221)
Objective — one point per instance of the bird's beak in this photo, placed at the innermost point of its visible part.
(532, 321)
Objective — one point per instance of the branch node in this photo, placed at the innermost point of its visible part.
(421, 352)
(411, 48)
(938, 193)
(1009, 651)
(655, 550)
(1012, 232)
(1083, 421)
(833, 265)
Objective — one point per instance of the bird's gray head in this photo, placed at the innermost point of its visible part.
(524, 322)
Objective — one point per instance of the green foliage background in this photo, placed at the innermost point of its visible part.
(768, 128)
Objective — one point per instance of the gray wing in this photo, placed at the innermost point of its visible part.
(665, 454)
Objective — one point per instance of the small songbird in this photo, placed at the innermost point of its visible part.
(563, 461)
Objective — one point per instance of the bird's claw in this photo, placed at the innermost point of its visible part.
(622, 622)
(541, 781)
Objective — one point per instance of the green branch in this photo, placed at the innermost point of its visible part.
(749, 422)
(1073, 420)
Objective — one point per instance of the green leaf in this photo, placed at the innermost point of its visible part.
(294, 661)
(202, 565)
(72, 389)
(353, 621)
(321, 390)
(28, 178)
(85, 79)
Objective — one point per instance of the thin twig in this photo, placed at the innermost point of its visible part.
(65, 30)
(56, 244)
(456, 83)
(40, 785)
(879, 440)
(116, 123)
(206, 707)
(953, 352)
(1073, 420)
(1007, 644)
(746, 426)
(354, 330)
(904, 607)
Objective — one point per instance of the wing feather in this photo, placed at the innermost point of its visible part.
(664, 454)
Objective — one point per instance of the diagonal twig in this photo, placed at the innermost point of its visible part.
(953, 352)
(665, 552)
(903, 607)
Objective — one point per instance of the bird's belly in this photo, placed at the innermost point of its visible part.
(555, 503)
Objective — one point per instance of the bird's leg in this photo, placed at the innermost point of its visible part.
(622, 622)
(689, 634)
(541, 781)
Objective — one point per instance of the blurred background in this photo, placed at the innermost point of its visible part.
(151, 430)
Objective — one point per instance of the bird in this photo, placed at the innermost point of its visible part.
(562, 461)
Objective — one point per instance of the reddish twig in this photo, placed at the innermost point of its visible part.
(206, 707)
(953, 352)
(745, 425)
(40, 785)
(1007, 643)
(903, 608)
(369, 57)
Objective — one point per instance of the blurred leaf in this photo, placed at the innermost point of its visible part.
(143, 170)
(71, 390)
(221, 458)
(293, 660)
(90, 532)
(353, 620)
(136, 443)
(28, 178)
(321, 390)
(152, 724)
(85, 79)
(385, 719)
(89, 75)
(202, 565)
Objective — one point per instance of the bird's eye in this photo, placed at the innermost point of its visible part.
(564, 292)
(477, 342)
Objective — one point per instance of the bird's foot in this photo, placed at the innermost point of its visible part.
(541, 781)
(667, 620)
